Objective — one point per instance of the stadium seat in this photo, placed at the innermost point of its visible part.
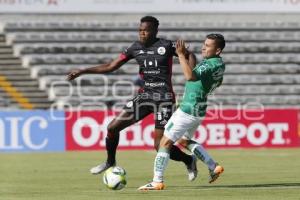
(261, 58)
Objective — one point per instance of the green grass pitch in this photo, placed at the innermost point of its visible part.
(256, 174)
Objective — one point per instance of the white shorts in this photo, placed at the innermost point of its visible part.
(181, 125)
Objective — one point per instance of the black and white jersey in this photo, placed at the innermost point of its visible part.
(155, 68)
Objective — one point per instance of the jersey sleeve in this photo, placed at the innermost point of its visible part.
(127, 54)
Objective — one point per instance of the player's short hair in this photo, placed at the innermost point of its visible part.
(220, 41)
(150, 19)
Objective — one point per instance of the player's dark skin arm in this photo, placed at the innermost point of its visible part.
(118, 123)
(100, 69)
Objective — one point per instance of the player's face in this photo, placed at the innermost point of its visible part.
(210, 49)
(147, 32)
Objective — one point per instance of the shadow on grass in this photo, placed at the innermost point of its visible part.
(263, 185)
(212, 187)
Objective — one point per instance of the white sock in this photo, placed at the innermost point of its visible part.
(160, 164)
(203, 155)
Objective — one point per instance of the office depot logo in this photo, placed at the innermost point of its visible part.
(86, 130)
(240, 135)
(277, 128)
(274, 128)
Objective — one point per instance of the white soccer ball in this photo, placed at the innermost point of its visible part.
(115, 178)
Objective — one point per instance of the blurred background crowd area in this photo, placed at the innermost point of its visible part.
(37, 50)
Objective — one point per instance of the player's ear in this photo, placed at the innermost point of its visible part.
(219, 51)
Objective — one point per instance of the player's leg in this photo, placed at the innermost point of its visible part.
(194, 147)
(131, 113)
(160, 165)
(199, 151)
(123, 120)
(162, 116)
(163, 113)
(175, 128)
(177, 154)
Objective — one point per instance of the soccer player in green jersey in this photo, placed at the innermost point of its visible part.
(201, 81)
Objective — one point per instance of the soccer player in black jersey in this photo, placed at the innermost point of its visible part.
(154, 57)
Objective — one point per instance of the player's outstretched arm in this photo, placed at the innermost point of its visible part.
(100, 69)
(186, 64)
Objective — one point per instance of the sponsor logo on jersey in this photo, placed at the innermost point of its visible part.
(159, 116)
(150, 63)
(165, 112)
(140, 52)
(152, 72)
(154, 84)
(129, 104)
(218, 74)
(164, 122)
(161, 50)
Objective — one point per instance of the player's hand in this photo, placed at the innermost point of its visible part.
(180, 48)
(74, 74)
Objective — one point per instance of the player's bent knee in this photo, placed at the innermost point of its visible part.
(166, 143)
(112, 131)
(156, 145)
(182, 142)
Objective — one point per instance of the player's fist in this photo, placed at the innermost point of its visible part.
(74, 74)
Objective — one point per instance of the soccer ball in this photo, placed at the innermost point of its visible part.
(115, 178)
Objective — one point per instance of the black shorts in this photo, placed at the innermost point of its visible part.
(141, 107)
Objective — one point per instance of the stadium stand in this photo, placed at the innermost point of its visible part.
(262, 61)
(17, 89)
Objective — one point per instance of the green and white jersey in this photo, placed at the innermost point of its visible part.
(209, 74)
